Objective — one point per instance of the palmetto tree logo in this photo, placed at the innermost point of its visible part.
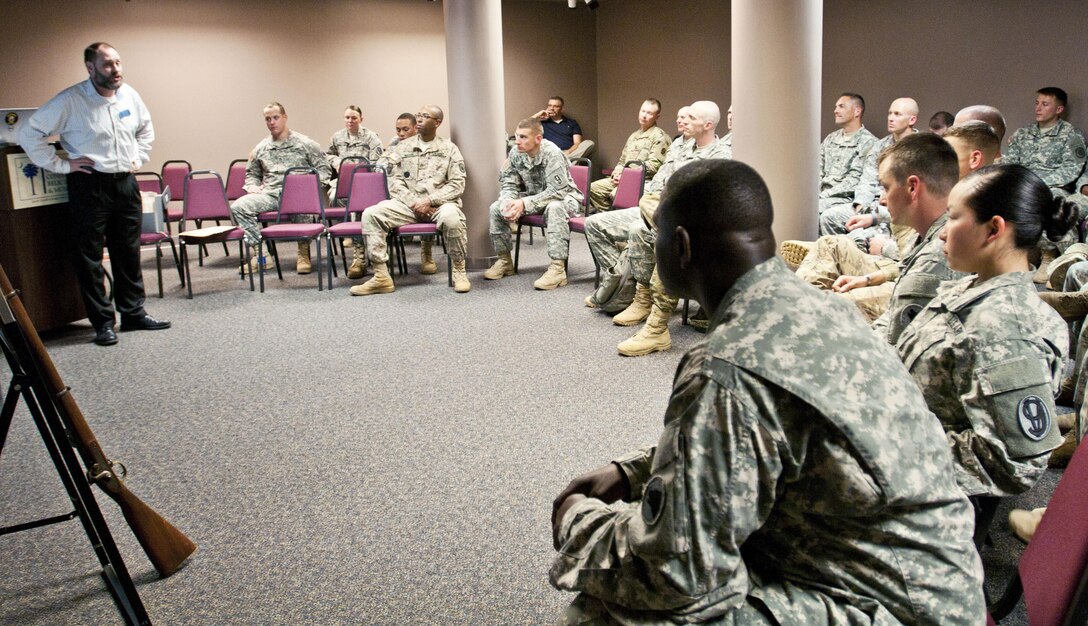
(31, 171)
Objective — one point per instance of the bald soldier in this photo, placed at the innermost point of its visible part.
(647, 144)
(772, 496)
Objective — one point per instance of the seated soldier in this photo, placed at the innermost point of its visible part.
(354, 140)
(535, 180)
(426, 180)
(842, 155)
(404, 127)
(940, 122)
(647, 144)
(772, 496)
(274, 155)
(1054, 149)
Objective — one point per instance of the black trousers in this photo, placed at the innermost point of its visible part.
(106, 209)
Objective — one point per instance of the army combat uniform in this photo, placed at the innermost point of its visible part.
(434, 172)
(264, 178)
(842, 161)
(866, 197)
(921, 271)
(648, 146)
(366, 143)
(989, 358)
(837, 255)
(544, 183)
(773, 493)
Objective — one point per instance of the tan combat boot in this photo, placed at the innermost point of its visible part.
(793, 252)
(652, 337)
(252, 267)
(638, 310)
(1060, 456)
(426, 261)
(556, 276)
(381, 282)
(1071, 305)
(503, 266)
(1066, 422)
(590, 302)
(1023, 523)
(358, 262)
(460, 277)
(302, 265)
(1042, 275)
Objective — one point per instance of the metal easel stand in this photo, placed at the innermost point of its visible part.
(29, 385)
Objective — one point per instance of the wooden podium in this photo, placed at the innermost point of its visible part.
(31, 247)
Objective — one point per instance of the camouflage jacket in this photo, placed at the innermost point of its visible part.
(680, 154)
(727, 146)
(842, 160)
(365, 144)
(921, 271)
(270, 159)
(868, 191)
(1057, 154)
(774, 478)
(538, 179)
(437, 173)
(648, 146)
(989, 359)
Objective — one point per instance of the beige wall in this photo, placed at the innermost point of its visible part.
(952, 53)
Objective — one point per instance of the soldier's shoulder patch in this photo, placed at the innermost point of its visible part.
(461, 166)
(1034, 417)
(1079, 152)
(653, 500)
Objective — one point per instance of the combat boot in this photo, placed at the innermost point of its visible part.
(1066, 391)
(1023, 523)
(426, 261)
(503, 266)
(252, 267)
(358, 262)
(638, 310)
(381, 282)
(1066, 422)
(460, 277)
(652, 337)
(590, 302)
(793, 252)
(302, 264)
(556, 276)
(1071, 305)
(700, 321)
(1059, 458)
(1060, 267)
(1042, 275)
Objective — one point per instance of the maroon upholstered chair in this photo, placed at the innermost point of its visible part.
(236, 179)
(173, 177)
(579, 171)
(205, 199)
(149, 181)
(628, 193)
(301, 196)
(1053, 571)
(157, 239)
(365, 188)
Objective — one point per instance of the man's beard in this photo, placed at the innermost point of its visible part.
(105, 81)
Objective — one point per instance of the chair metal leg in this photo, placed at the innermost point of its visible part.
(177, 263)
(332, 263)
(188, 275)
(320, 276)
(260, 266)
(517, 247)
(684, 321)
(158, 265)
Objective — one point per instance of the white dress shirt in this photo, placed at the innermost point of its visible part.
(116, 133)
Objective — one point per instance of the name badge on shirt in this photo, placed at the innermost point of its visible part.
(123, 114)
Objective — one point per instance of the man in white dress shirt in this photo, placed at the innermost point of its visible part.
(106, 130)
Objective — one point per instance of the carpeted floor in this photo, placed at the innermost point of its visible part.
(380, 460)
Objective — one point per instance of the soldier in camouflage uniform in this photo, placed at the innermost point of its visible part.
(652, 302)
(1055, 150)
(772, 496)
(987, 353)
(934, 164)
(353, 140)
(647, 144)
(842, 155)
(902, 115)
(404, 127)
(273, 156)
(535, 180)
(426, 179)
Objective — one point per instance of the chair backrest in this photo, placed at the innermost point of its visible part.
(301, 194)
(149, 181)
(579, 171)
(343, 177)
(204, 197)
(1054, 566)
(368, 187)
(236, 179)
(173, 176)
(629, 190)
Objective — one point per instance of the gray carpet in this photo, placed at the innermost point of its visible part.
(380, 460)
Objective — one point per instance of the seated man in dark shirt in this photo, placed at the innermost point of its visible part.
(562, 131)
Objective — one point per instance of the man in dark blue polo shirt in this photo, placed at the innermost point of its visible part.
(562, 131)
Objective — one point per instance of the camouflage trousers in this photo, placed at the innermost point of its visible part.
(383, 217)
(608, 233)
(839, 256)
(244, 212)
(556, 227)
(601, 194)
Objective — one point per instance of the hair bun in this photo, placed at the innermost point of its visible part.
(1063, 216)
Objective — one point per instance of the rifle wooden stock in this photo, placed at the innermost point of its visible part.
(166, 546)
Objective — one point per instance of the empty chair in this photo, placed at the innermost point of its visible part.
(366, 188)
(236, 180)
(157, 239)
(205, 199)
(301, 196)
(173, 177)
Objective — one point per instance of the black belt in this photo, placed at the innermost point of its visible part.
(113, 175)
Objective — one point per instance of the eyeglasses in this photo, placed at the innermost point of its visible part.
(425, 116)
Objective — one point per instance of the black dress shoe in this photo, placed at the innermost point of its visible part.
(145, 322)
(105, 336)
